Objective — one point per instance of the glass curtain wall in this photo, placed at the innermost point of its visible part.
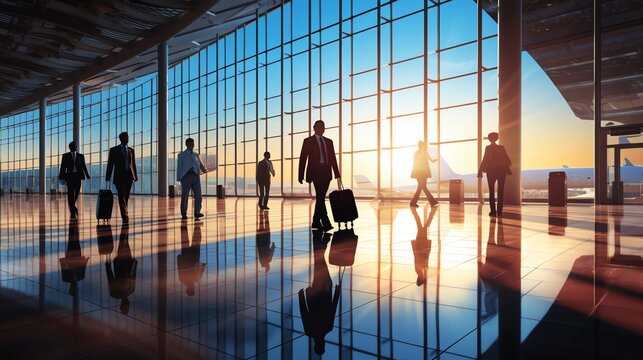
(19, 147)
(383, 75)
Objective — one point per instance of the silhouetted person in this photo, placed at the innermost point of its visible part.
(265, 248)
(74, 264)
(319, 152)
(122, 162)
(422, 172)
(496, 164)
(317, 304)
(189, 260)
(264, 171)
(188, 169)
(122, 279)
(422, 246)
(73, 171)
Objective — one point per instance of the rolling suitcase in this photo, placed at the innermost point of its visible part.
(104, 204)
(342, 204)
(343, 248)
(557, 188)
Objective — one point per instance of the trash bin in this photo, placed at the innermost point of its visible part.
(170, 191)
(557, 188)
(220, 192)
(456, 191)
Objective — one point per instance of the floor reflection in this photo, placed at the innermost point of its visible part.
(445, 282)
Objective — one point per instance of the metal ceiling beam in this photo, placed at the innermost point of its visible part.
(155, 36)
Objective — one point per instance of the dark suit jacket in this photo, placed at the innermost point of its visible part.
(310, 152)
(263, 172)
(67, 166)
(116, 162)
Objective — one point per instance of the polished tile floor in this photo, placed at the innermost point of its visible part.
(405, 283)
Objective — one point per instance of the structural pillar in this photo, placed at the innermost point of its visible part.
(76, 125)
(41, 145)
(162, 119)
(600, 136)
(509, 94)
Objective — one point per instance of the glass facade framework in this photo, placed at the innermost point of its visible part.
(382, 75)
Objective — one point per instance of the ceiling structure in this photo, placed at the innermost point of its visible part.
(46, 46)
(559, 35)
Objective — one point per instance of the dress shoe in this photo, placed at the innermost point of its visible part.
(266, 208)
(125, 219)
(73, 215)
(184, 217)
(199, 215)
(316, 225)
(492, 214)
(327, 227)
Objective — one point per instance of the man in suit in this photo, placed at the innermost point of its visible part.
(264, 171)
(188, 168)
(122, 162)
(73, 171)
(319, 152)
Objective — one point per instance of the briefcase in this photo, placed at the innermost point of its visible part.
(104, 204)
(342, 204)
(343, 248)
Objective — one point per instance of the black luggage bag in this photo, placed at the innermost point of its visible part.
(342, 204)
(104, 204)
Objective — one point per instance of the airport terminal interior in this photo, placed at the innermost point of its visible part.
(555, 273)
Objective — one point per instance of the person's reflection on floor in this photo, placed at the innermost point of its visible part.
(422, 245)
(318, 304)
(497, 261)
(74, 264)
(189, 260)
(122, 278)
(265, 248)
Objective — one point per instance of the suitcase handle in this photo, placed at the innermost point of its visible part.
(340, 185)
(107, 186)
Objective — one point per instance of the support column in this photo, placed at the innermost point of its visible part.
(600, 137)
(161, 88)
(76, 125)
(41, 145)
(509, 92)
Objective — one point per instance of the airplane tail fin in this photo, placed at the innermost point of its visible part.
(445, 170)
(364, 182)
(628, 162)
(623, 140)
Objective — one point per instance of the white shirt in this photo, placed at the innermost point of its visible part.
(187, 161)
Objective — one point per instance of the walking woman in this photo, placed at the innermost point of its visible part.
(496, 164)
(421, 172)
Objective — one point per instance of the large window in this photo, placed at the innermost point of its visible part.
(383, 75)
